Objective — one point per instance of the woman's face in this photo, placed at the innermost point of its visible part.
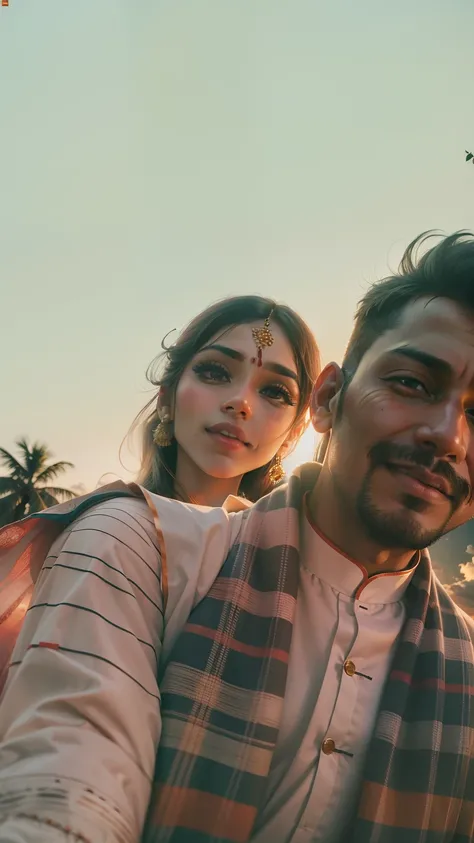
(230, 415)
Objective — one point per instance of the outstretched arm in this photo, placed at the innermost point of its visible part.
(80, 718)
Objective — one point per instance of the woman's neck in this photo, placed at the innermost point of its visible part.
(200, 488)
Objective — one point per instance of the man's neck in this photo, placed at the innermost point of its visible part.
(347, 533)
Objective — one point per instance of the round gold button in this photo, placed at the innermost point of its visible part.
(328, 746)
(349, 667)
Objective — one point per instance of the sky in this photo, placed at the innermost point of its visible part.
(157, 156)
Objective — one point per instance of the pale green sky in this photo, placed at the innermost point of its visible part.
(156, 156)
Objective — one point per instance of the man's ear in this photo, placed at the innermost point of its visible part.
(324, 397)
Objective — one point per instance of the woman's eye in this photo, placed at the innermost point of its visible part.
(211, 372)
(278, 392)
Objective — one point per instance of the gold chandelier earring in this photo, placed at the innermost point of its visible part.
(163, 433)
(276, 472)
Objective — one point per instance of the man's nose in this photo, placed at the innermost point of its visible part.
(446, 432)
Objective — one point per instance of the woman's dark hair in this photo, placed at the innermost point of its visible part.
(158, 466)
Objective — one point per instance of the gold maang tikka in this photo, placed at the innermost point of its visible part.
(263, 338)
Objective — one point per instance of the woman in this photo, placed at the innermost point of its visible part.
(232, 400)
(217, 427)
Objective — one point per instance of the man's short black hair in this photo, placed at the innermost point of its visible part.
(444, 271)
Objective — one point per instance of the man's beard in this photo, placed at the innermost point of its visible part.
(398, 530)
(402, 530)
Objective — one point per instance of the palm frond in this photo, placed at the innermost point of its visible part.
(11, 463)
(24, 448)
(37, 459)
(48, 500)
(52, 471)
(27, 449)
(9, 485)
(8, 501)
(8, 509)
(35, 501)
(58, 492)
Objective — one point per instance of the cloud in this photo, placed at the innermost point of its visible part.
(467, 570)
(462, 589)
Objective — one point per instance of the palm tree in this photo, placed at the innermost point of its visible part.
(26, 487)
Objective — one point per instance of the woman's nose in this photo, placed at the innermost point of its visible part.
(238, 407)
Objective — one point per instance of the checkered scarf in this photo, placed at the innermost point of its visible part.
(224, 685)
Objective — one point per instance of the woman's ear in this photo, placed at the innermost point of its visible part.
(164, 404)
(324, 398)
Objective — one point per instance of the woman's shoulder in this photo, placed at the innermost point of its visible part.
(191, 542)
(119, 518)
(190, 521)
(149, 525)
(117, 533)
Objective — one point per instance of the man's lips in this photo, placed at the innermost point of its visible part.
(424, 477)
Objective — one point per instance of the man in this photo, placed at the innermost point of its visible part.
(316, 680)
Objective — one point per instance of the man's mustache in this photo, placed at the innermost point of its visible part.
(389, 452)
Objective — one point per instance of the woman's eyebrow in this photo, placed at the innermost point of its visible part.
(224, 349)
(281, 370)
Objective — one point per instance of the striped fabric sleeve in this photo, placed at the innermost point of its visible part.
(80, 717)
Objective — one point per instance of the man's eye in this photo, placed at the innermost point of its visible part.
(410, 383)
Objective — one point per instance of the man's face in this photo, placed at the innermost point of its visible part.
(402, 449)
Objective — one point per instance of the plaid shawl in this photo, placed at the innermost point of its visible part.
(224, 685)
